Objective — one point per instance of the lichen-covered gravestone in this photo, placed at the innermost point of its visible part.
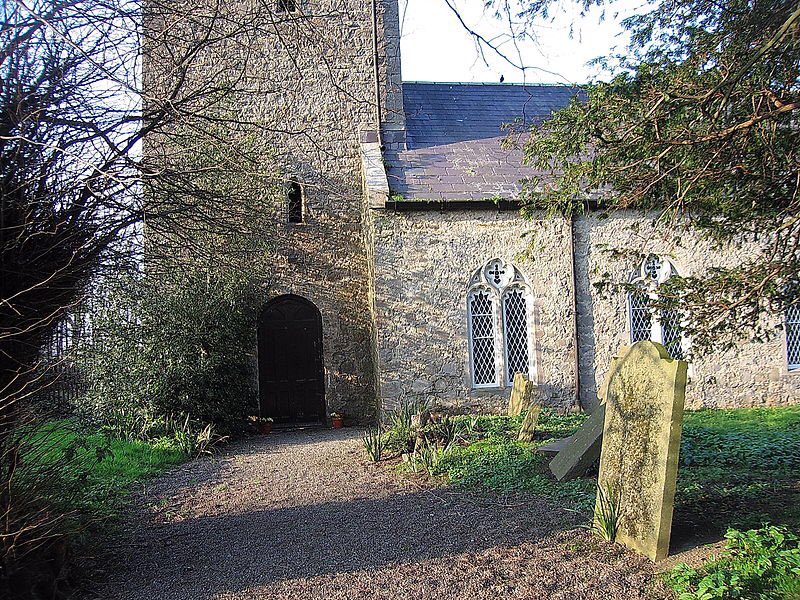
(641, 440)
(529, 423)
(523, 394)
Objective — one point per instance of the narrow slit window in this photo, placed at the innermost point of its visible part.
(295, 202)
(287, 6)
(793, 337)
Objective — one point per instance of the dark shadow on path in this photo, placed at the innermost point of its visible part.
(233, 552)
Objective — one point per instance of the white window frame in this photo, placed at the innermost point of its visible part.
(493, 301)
(512, 279)
(649, 285)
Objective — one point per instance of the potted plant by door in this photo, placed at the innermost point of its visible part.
(336, 421)
(263, 424)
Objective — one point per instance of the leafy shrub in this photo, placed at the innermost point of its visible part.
(759, 563)
(177, 345)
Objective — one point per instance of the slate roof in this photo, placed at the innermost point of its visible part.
(454, 134)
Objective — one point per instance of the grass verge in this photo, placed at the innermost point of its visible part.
(91, 473)
(738, 468)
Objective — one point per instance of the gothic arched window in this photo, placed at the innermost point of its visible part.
(645, 323)
(499, 309)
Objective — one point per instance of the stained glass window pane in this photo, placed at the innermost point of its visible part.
(793, 336)
(482, 338)
(515, 317)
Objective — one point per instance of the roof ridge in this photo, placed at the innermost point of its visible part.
(492, 84)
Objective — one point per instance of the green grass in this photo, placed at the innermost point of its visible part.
(493, 460)
(739, 468)
(756, 420)
(88, 472)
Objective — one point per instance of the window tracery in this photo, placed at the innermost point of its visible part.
(500, 309)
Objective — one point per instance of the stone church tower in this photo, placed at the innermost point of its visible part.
(318, 76)
(339, 61)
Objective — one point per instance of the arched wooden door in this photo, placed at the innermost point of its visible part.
(290, 370)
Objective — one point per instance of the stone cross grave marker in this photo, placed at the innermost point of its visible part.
(641, 441)
(522, 395)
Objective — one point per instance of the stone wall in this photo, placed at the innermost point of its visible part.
(751, 374)
(423, 263)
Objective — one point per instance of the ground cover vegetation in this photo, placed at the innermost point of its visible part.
(758, 563)
(739, 471)
(72, 480)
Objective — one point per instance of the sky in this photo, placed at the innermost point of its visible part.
(436, 47)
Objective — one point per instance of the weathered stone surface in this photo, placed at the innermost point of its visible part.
(724, 379)
(423, 263)
(581, 450)
(523, 393)
(528, 427)
(641, 441)
(554, 447)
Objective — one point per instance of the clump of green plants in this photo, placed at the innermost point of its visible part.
(191, 437)
(426, 458)
(398, 435)
(758, 563)
(181, 432)
(444, 430)
(607, 513)
(373, 444)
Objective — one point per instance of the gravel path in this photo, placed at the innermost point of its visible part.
(302, 515)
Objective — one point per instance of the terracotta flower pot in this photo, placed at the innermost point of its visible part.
(265, 428)
(336, 422)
